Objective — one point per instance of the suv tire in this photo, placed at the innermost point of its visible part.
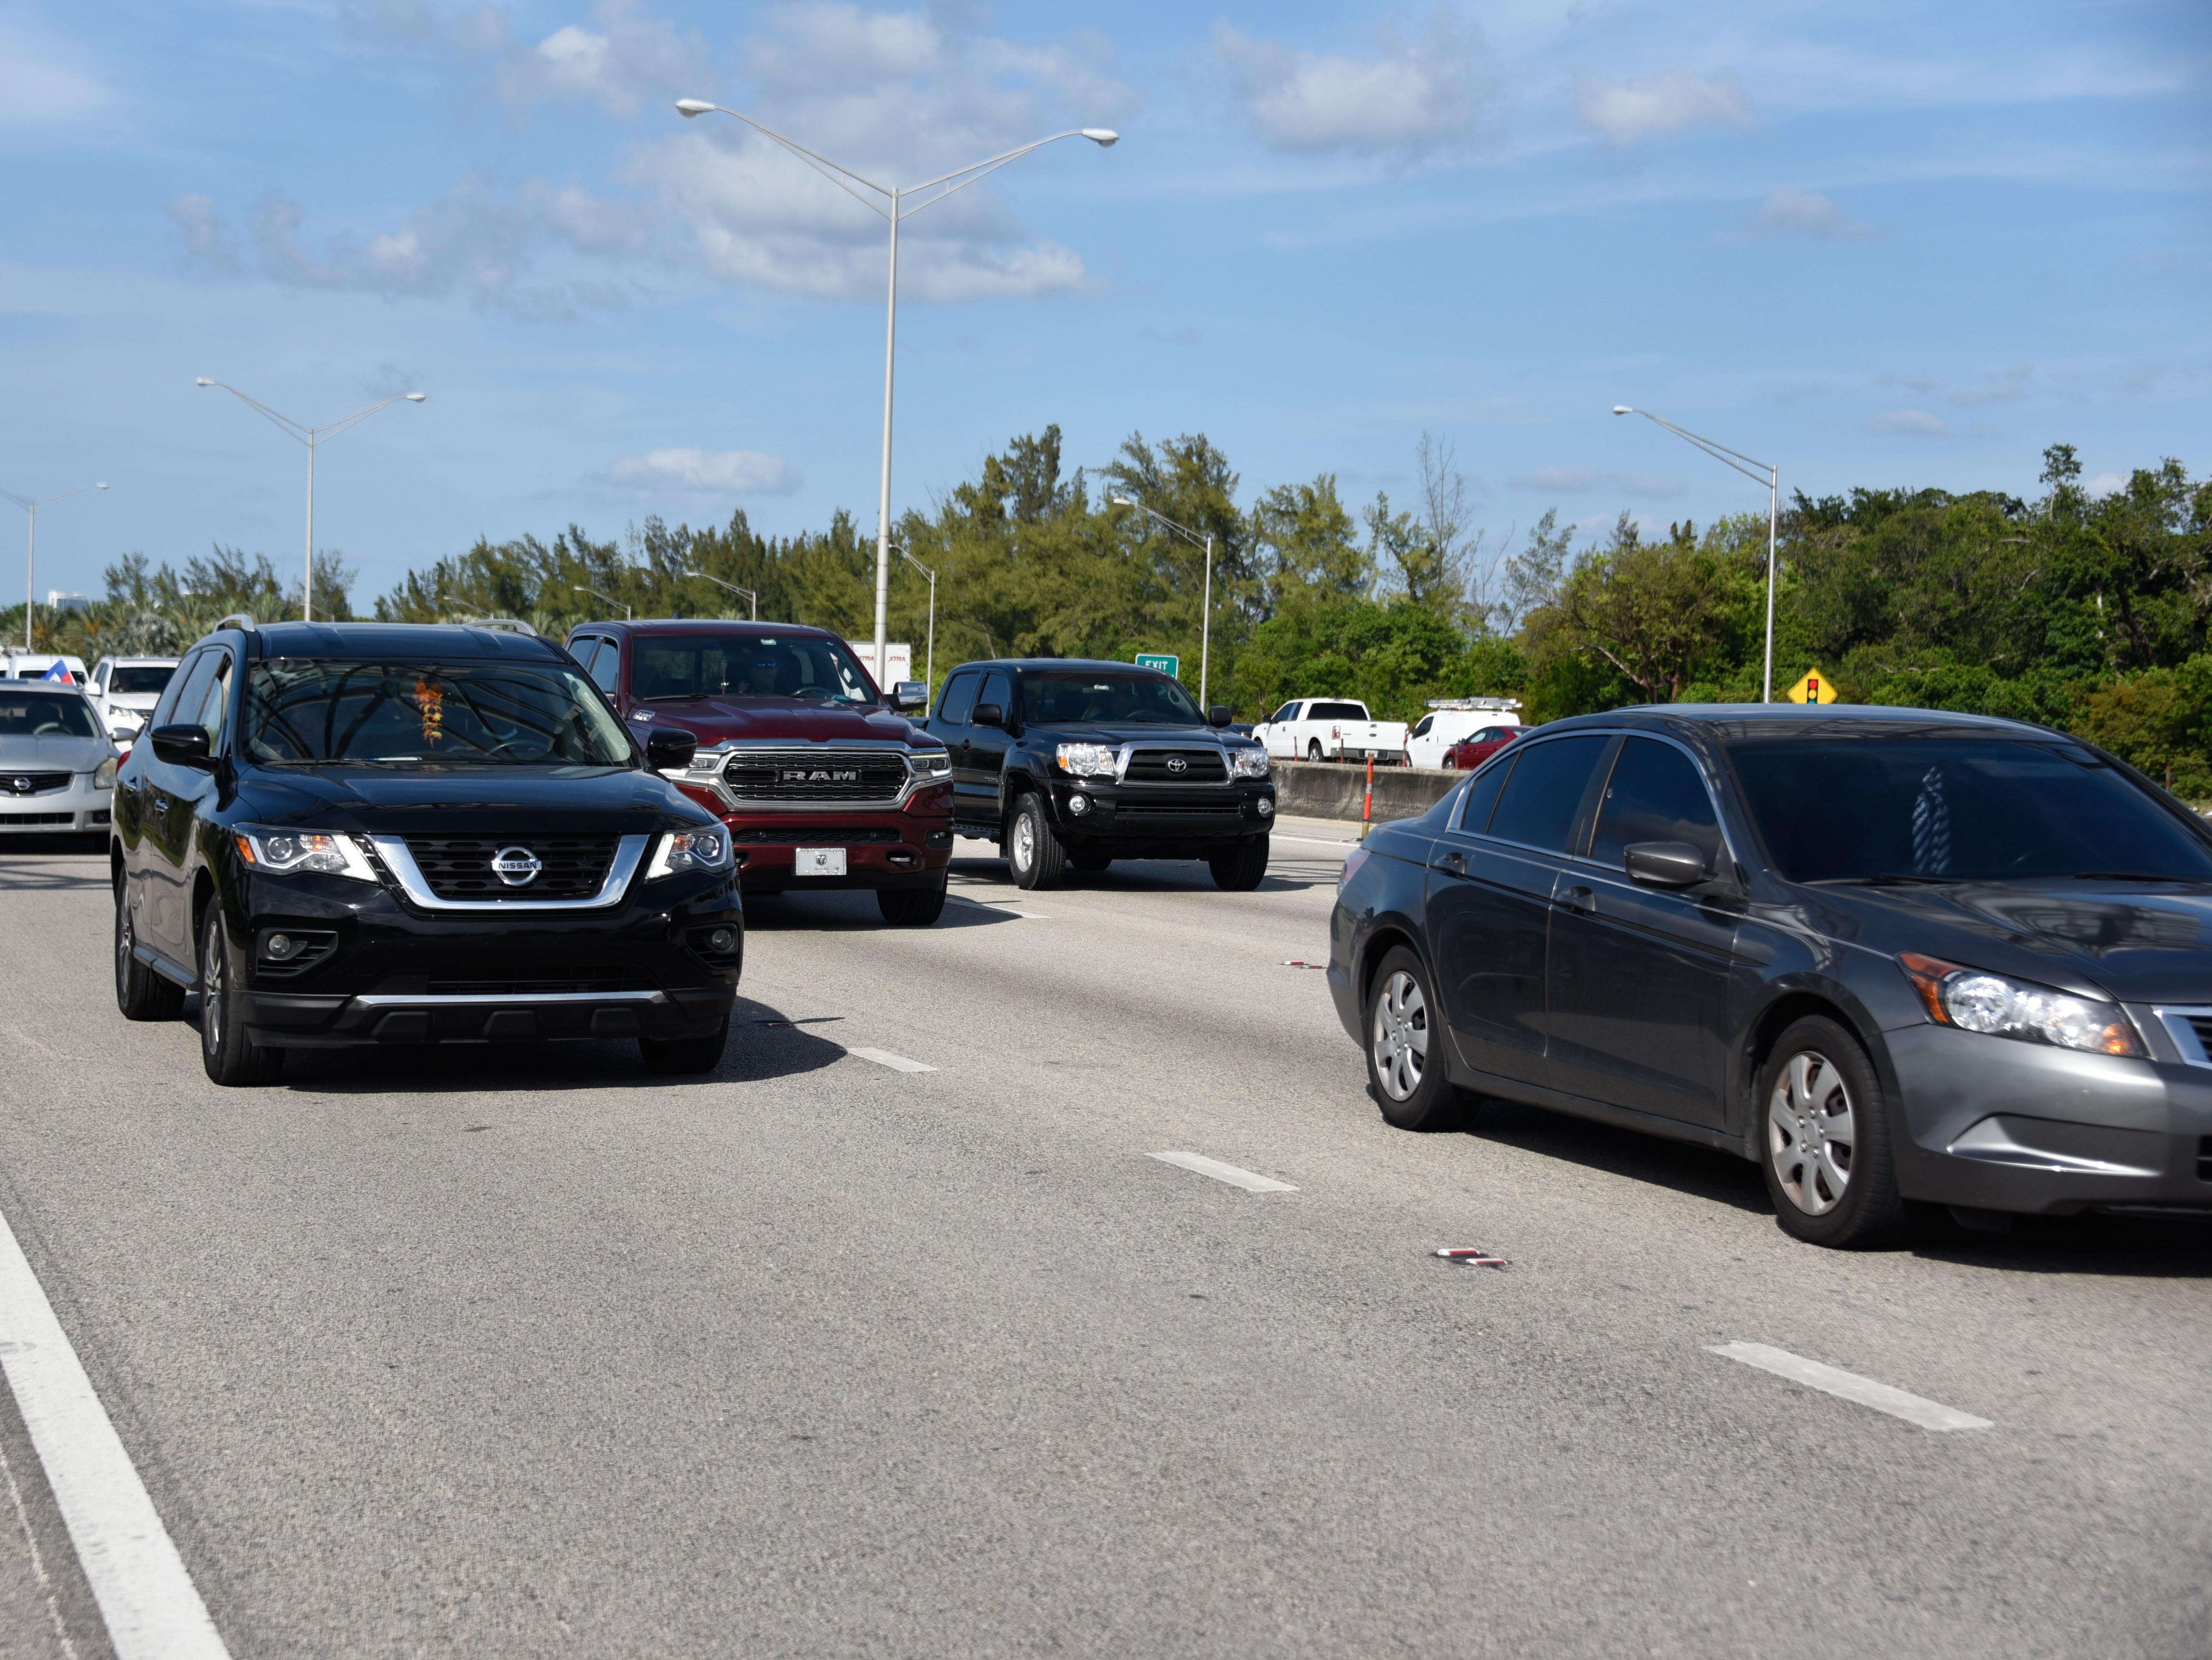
(686, 1056)
(1818, 1093)
(230, 1058)
(140, 993)
(1406, 1071)
(912, 908)
(1033, 851)
(1240, 872)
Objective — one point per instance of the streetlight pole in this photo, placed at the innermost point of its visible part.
(893, 207)
(311, 436)
(579, 588)
(1766, 473)
(31, 559)
(1205, 618)
(733, 587)
(929, 660)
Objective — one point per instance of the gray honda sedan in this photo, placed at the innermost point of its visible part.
(1890, 955)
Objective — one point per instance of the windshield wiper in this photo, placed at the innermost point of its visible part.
(676, 697)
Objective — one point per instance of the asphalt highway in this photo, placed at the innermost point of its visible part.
(517, 1353)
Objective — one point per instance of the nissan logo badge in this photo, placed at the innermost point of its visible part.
(1176, 764)
(22, 786)
(516, 866)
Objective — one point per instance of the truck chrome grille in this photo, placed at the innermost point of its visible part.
(1200, 766)
(826, 775)
(459, 867)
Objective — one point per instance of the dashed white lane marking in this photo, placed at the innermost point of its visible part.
(1913, 1408)
(146, 1598)
(1245, 1179)
(885, 1058)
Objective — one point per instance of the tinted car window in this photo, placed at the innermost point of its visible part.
(136, 680)
(216, 705)
(1654, 794)
(675, 667)
(165, 711)
(994, 692)
(45, 715)
(1482, 797)
(1422, 730)
(1137, 696)
(1540, 798)
(303, 709)
(1975, 809)
(1287, 712)
(1492, 735)
(959, 698)
(185, 707)
(1336, 712)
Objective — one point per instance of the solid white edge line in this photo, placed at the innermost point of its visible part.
(1898, 1403)
(885, 1058)
(1199, 1164)
(145, 1597)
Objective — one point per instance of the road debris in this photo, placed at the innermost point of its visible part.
(1296, 962)
(1471, 1256)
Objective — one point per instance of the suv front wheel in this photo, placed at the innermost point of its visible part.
(229, 1057)
(1033, 848)
(1240, 870)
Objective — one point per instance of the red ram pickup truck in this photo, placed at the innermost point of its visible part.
(823, 780)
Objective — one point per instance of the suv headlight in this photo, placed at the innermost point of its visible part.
(271, 852)
(931, 766)
(1087, 760)
(685, 850)
(103, 776)
(1975, 1001)
(1247, 764)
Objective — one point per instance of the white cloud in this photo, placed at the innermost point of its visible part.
(1629, 111)
(1804, 213)
(626, 62)
(40, 85)
(2001, 386)
(207, 239)
(721, 473)
(2103, 485)
(1581, 481)
(1908, 424)
(1411, 99)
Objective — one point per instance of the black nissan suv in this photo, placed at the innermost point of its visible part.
(382, 834)
(1074, 764)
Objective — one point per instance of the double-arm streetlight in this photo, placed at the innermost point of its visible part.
(1205, 617)
(311, 436)
(893, 207)
(31, 560)
(1767, 474)
(733, 587)
(604, 599)
(929, 658)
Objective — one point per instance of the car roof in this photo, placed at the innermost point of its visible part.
(704, 625)
(1727, 722)
(395, 640)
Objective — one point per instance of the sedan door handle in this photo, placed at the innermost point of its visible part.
(1453, 861)
(1581, 899)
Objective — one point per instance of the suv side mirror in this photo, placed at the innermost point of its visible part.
(987, 714)
(1665, 864)
(667, 748)
(910, 695)
(183, 745)
(1218, 716)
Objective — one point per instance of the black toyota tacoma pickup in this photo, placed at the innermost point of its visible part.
(1067, 764)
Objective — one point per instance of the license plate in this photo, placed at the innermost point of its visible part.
(817, 861)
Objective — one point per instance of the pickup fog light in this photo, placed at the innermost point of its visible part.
(1248, 762)
(1079, 804)
(282, 946)
(1267, 808)
(1990, 1003)
(1086, 760)
(722, 942)
(271, 852)
(690, 850)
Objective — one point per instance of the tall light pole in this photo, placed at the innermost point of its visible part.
(733, 587)
(929, 658)
(579, 587)
(31, 560)
(893, 207)
(1772, 477)
(1206, 618)
(311, 436)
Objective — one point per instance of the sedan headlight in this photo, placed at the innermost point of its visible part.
(690, 850)
(931, 766)
(1248, 762)
(271, 852)
(1087, 760)
(1973, 1000)
(103, 776)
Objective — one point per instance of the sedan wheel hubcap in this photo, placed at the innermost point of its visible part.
(1401, 1035)
(1812, 1135)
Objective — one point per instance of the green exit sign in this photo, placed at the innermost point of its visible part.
(1164, 662)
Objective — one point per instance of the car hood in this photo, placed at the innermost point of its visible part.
(54, 753)
(774, 720)
(504, 801)
(1117, 734)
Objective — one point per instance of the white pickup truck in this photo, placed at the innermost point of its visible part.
(1331, 729)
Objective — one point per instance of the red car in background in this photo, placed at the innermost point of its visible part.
(1477, 747)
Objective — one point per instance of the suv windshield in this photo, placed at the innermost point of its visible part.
(668, 667)
(1957, 809)
(45, 715)
(310, 710)
(136, 679)
(1136, 696)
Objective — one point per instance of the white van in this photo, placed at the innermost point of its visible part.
(37, 664)
(1452, 720)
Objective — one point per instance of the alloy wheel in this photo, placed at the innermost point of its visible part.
(1401, 1035)
(1024, 843)
(213, 976)
(1810, 1132)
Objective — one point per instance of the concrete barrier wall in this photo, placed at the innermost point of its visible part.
(1328, 789)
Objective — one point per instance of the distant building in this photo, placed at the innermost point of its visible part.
(57, 600)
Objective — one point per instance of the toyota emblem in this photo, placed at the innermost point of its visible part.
(516, 866)
(1176, 764)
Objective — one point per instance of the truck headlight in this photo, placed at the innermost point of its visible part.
(1086, 760)
(931, 766)
(271, 852)
(103, 777)
(1975, 1001)
(1247, 764)
(689, 851)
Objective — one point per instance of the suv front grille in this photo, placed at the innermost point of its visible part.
(830, 775)
(1158, 767)
(809, 835)
(582, 979)
(459, 867)
(32, 783)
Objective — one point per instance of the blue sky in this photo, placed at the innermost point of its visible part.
(1878, 243)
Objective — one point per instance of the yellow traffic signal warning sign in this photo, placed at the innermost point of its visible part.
(1813, 688)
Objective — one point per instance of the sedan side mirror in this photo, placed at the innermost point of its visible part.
(1665, 864)
(910, 695)
(1218, 716)
(667, 748)
(183, 745)
(987, 714)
